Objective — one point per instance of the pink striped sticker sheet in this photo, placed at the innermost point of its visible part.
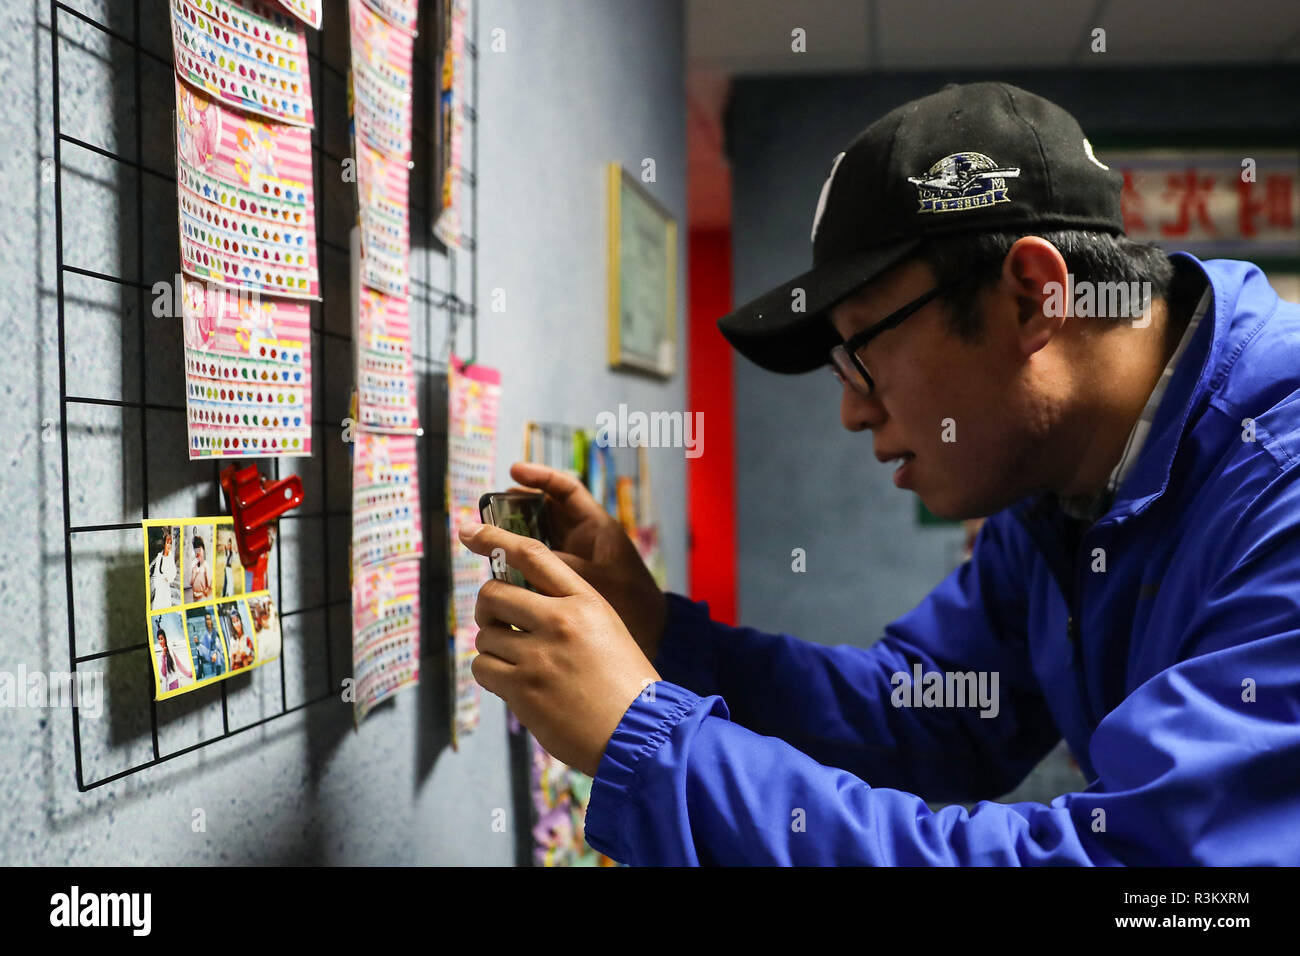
(386, 398)
(400, 13)
(473, 399)
(247, 373)
(383, 196)
(247, 216)
(381, 82)
(308, 11)
(246, 54)
(386, 518)
(386, 632)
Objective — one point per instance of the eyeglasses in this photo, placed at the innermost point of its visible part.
(845, 362)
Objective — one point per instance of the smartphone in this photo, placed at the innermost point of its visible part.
(520, 512)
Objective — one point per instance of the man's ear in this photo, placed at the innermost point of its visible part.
(1035, 274)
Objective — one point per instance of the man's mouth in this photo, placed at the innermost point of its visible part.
(900, 456)
(904, 460)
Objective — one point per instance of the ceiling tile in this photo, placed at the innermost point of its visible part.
(919, 34)
(756, 35)
(1199, 31)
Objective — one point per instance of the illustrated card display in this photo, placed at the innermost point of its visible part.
(204, 619)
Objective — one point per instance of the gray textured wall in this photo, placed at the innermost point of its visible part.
(801, 479)
(579, 84)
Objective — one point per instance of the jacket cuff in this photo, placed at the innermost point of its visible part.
(688, 650)
(645, 726)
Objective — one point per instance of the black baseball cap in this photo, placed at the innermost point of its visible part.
(975, 157)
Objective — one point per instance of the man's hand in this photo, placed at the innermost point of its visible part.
(572, 669)
(589, 540)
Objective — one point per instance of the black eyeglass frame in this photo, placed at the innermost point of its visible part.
(844, 357)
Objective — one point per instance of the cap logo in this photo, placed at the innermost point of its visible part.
(963, 181)
(821, 200)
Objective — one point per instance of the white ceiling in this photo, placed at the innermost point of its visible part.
(754, 36)
(727, 38)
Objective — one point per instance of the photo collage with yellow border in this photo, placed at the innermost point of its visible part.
(205, 621)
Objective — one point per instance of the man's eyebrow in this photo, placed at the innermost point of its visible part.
(851, 310)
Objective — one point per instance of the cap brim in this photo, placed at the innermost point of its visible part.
(768, 331)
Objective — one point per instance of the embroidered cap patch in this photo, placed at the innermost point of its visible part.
(963, 181)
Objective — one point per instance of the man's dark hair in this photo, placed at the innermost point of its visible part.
(975, 261)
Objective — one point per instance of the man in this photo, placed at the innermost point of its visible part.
(241, 646)
(1135, 590)
(208, 661)
(230, 568)
(200, 578)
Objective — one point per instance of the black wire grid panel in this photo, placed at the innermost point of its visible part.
(327, 53)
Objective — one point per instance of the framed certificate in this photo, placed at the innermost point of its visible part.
(642, 278)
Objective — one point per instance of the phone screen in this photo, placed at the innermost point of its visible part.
(521, 513)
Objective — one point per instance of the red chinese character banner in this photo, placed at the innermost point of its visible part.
(1239, 205)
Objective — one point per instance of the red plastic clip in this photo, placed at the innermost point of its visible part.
(255, 504)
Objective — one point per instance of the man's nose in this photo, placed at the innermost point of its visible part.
(858, 412)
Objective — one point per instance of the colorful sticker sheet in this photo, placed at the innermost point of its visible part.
(451, 122)
(387, 545)
(245, 54)
(386, 632)
(386, 518)
(382, 58)
(383, 193)
(382, 55)
(207, 617)
(473, 400)
(247, 216)
(386, 396)
(308, 11)
(247, 373)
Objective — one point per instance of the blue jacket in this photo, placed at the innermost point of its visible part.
(1173, 674)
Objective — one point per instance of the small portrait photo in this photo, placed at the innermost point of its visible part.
(266, 627)
(205, 642)
(238, 631)
(197, 573)
(164, 567)
(229, 571)
(173, 667)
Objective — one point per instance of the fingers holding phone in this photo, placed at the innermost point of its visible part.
(594, 544)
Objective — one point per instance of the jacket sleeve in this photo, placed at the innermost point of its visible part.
(1196, 766)
(833, 703)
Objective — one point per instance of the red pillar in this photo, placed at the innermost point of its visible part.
(711, 478)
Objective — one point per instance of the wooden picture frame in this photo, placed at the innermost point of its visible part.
(642, 278)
